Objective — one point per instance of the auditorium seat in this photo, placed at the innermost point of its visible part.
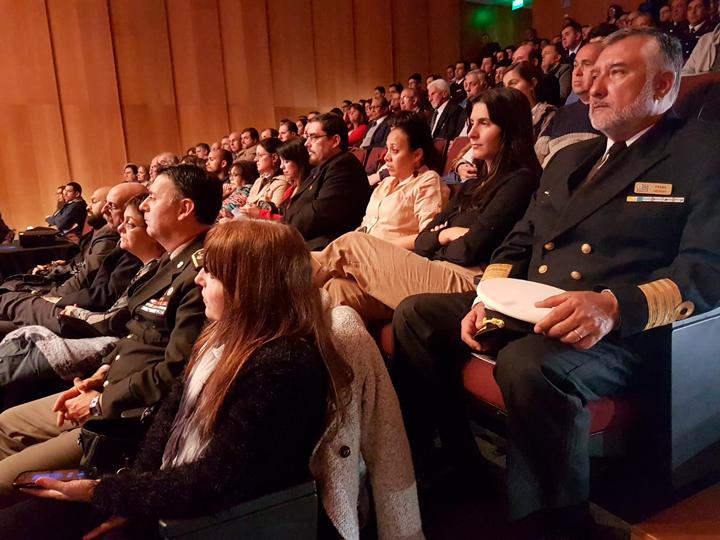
(375, 159)
(441, 146)
(677, 414)
(360, 154)
(454, 150)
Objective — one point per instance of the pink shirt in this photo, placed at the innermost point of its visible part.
(400, 208)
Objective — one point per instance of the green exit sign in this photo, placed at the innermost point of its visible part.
(517, 4)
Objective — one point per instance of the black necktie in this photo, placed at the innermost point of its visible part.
(433, 119)
(615, 150)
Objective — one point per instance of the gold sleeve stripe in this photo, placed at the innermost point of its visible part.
(496, 271)
(665, 303)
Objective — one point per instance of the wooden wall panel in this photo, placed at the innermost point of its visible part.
(410, 38)
(373, 44)
(90, 84)
(33, 157)
(198, 70)
(292, 55)
(88, 90)
(443, 33)
(334, 46)
(246, 51)
(144, 68)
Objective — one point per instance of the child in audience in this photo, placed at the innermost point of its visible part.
(373, 276)
(242, 176)
(244, 419)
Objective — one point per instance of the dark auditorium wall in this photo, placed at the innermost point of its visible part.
(548, 14)
(90, 84)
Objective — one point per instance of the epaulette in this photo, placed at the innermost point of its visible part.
(198, 259)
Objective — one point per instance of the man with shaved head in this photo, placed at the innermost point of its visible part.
(94, 290)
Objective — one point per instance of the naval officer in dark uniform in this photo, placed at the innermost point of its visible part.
(627, 223)
(167, 314)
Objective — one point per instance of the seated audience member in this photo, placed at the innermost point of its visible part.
(166, 318)
(225, 143)
(572, 39)
(499, 74)
(706, 54)
(94, 245)
(409, 198)
(699, 24)
(271, 184)
(218, 163)
(144, 174)
(287, 130)
(38, 362)
(525, 77)
(251, 376)
(95, 290)
(130, 173)
(243, 175)
(446, 120)
(202, 150)
(457, 88)
(411, 100)
(359, 123)
(373, 276)
(572, 124)
(548, 85)
(269, 133)
(332, 199)
(70, 219)
(6, 233)
(244, 144)
(476, 82)
(163, 159)
(644, 20)
(378, 128)
(59, 199)
(301, 123)
(552, 65)
(628, 267)
(613, 13)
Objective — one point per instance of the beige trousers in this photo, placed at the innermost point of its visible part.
(373, 276)
(30, 441)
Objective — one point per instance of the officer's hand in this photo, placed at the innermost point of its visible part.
(78, 408)
(94, 381)
(470, 325)
(60, 408)
(580, 319)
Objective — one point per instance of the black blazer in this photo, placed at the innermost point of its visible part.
(603, 235)
(71, 217)
(266, 431)
(331, 201)
(380, 135)
(450, 122)
(488, 222)
(109, 282)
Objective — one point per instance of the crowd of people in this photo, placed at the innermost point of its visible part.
(229, 292)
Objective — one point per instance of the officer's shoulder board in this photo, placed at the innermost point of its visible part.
(198, 259)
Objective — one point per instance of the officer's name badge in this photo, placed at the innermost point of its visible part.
(637, 199)
(652, 188)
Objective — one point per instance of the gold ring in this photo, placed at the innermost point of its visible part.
(579, 335)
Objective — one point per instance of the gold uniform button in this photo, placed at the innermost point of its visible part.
(576, 275)
(586, 248)
(549, 246)
(117, 357)
(542, 268)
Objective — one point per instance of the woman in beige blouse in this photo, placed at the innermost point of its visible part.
(271, 184)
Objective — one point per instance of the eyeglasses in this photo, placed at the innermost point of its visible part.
(314, 138)
(112, 206)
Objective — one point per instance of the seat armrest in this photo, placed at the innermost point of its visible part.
(297, 502)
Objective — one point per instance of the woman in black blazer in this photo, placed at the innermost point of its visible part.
(245, 417)
(374, 276)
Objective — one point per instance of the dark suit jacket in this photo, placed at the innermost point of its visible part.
(449, 124)
(331, 201)
(379, 137)
(71, 217)
(94, 247)
(109, 282)
(599, 237)
(167, 315)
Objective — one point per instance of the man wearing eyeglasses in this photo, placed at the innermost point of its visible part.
(94, 289)
(379, 129)
(332, 199)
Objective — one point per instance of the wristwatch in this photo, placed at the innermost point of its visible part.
(95, 409)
